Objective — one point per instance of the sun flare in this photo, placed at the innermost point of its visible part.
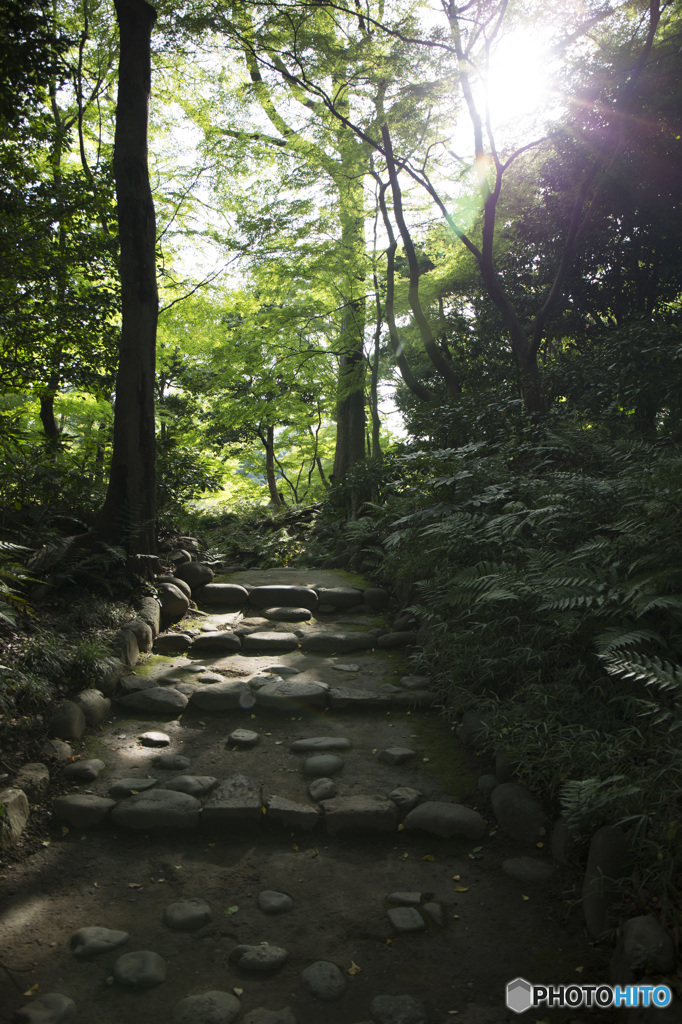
(519, 82)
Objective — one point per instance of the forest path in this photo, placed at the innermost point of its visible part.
(475, 928)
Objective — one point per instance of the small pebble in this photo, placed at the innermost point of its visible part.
(406, 919)
(187, 915)
(324, 980)
(322, 789)
(272, 902)
(243, 738)
(154, 739)
(140, 970)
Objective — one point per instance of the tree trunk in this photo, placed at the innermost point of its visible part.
(268, 442)
(129, 510)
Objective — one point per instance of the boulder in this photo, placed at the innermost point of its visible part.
(173, 643)
(220, 641)
(94, 704)
(68, 721)
(446, 819)
(158, 808)
(52, 1008)
(174, 604)
(14, 804)
(82, 809)
(34, 780)
(149, 610)
(340, 597)
(140, 970)
(196, 574)
(142, 632)
(224, 595)
(518, 812)
(159, 700)
(644, 946)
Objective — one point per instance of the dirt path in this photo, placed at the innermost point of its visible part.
(478, 928)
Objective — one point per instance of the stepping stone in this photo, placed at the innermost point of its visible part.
(346, 668)
(340, 597)
(244, 738)
(319, 743)
(283, 596)
(222, 642)
(263, 1016)
(126, 787)
(338, 643)
(195, 785)
(270, 641)
(52, 1008)
(446, 819)
(404, 638)
(187, 915)
(213, 1007)
(518, 812)
(158, 808)
(140, 970)
(238, 798)
(324, 980)
(528, 869)
(154, 739)
(87, 942)
(227, 595)
(159, 700)
(132, 684)
(262, 959)
(369, 813)
(272, 902)
(404, 899)
(172, 762)
(343, 699)
(196, 574)
(415, 682)
(208, 678)
(225, 696)
(83, 771)
(288, 614)
(323, 765)
(396, 755)
(283, 670)
(406, 919)
(397, 1009)
(405, 797)
(172, 643)
(322, 789)
(82, 809)
(291, 813)
(288, 695)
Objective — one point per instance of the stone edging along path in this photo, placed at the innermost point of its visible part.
(273, 743)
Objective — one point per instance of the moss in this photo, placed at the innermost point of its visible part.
(153, 663)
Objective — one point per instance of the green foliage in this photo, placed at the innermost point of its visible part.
(12, 578)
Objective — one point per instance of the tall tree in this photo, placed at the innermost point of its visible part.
(129, 510)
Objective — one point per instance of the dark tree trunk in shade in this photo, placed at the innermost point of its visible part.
(129, 509)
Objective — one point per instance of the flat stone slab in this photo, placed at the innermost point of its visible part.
(344, 699)
(341, 597)
(264, 641)
(272, 902)
(327, 642)
(528, 869)
(446, 819)
(159, 700)
(287, 694)
(397, 1009)
(324, 981)
(406, 919)
(187, 915)
(226, 696)
(126, 787)
(84, 771)
(158, 808)
(87, 942)
(227, 595)
(221, 642)
(52, 1008)
(237, 798)
(368, 813)
(154, 739)
(262, 959)
(287, 614)
(213, 1007)
(195, 785)
(141, 970)
(322, 765)
(82, 809)
(291, 813)
(319, 743)
(283, 595)
(396, 755)
(172, 762)
(244, 738)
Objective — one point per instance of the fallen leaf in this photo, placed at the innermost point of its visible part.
(231, 910)
(400, 827)
(32, 990)
(476, 849)
(375, 750)
(389, 942)
(426, 760)
(456, 878)
(238, 991)
(202, 723)
(428, 856)
(354, 969)
(580, 970)
(65, 830)
(539, 845)
(455, 917)
(264, 810)
(461, 888)
(525, 897)
(405, 855)
(314, 853)
(46, 842)
(134, 885)
(294, 846)
(278, 743)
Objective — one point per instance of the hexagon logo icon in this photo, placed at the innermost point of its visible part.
(519, 995)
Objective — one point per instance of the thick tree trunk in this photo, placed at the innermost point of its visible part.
(129, 509)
